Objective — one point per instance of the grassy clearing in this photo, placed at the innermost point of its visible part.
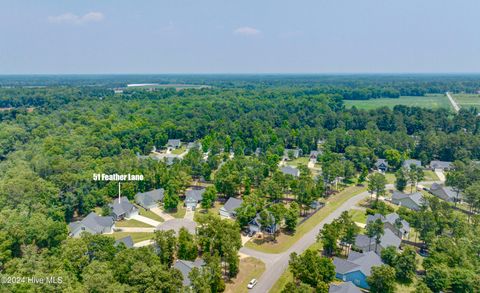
(179, 213)
(132, 223)
(358, 216)
(179, 151)
(214, 210)
(297, 162)
(250, 268)
(150, 214)
(429, 101)
(467, 100)
(136, 236)
(430, 176)
(285, 241)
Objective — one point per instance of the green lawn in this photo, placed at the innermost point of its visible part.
(132, 223)
(467, 100)
(298, 161)
(430, 176)
(285, 241)
(179, 151)
(250, 268)
(136, 236)
(150, 214)
(358, 216)
(214, 210)
(179, 213)
(428, 101)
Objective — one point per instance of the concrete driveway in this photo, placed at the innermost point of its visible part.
(146, 220)
(161, 213)
(135, 229)
(176, 224)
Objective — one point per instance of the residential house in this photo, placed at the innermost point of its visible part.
(412, 201)
(440, 165)
(314, 155)
(357, 267)
(93, 224)
(256, 226)
(445, 192)
(410, 162)
(193, 197)
(258, 152)
(127, 241)
(381, 165)
(291, 154)
(392, 221)
(123, 209)
(344, 287)
(174, 143)
(149, 199)
(289, 170)
(169, 159)
(229, 208)
(194, 145)
(365, 243)
(185, 267)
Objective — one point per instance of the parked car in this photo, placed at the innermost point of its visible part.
(252, 283)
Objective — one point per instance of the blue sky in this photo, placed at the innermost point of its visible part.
(222, 36)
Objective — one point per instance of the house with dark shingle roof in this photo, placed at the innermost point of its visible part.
(440, 165)
(127, 241)
(410, 162)
(256, 226)
(93, 224)
(344, 287)
(149, 199)
(357, 267)
(401, 229)
(229, 208)
(445, 192)
(123, 209)
(290, 154)
(193, 197)
(289, 170)
(174, 143)
(413, 201)
(185, 267)
(365, 243)
(381, 165)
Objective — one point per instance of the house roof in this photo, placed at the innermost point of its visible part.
(174, 143)
(388, 239)
(296, 152)
(380, 162)
(416, 197)
(289, 170)
(390, 218)
(122, 206)
(440, 164)
(93, 222)
(357, 262)
(409, 162)
(128, 241)
(256, 220)
(149, 198)
(185, 267)
(170, 158)
(345, 287)
(443, 191)
(194, 194)
(232, 204)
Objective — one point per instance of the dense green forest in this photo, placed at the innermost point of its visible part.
(57, 136)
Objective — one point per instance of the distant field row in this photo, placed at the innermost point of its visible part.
(467, 100)
(432, 101)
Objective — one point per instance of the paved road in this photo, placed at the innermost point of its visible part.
(452, 101)
(276, 264)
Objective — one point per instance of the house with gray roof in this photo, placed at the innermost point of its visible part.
(314, 155)
(185, 267)
(256, 226)
(93, 224)
(413, 201)
(123, 209)
(149, 199)
(410, 162)
(344, 287)
(127, 241)
(174, 143)
(290, 154)
(229, 208)
(440, 165)
(381, 165)
(445, 192)
(194, 145)
(394, 222)
(193, 197)
(357, 267)
(289, 170)
(169, 159)
(365, 243)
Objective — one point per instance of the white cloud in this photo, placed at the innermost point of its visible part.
(247, 31)
(77, 19)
